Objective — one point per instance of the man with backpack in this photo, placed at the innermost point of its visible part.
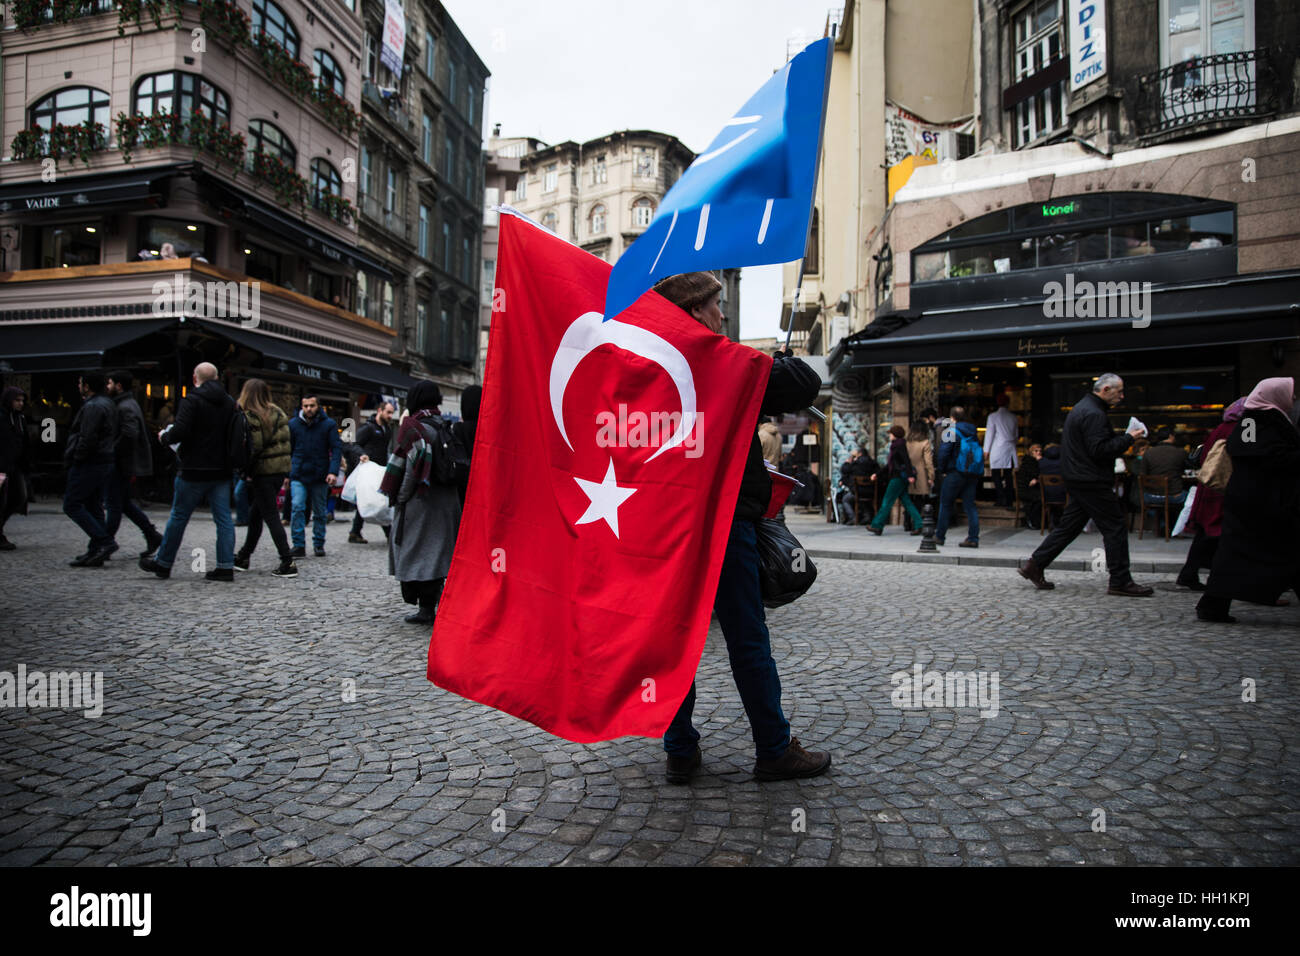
(316, 453)
(1089, 447)
(205, 429)
(960, 460)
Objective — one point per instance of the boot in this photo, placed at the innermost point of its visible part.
(422, 616)
(795, 763)
(151, 541)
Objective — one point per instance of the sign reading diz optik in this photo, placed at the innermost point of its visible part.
(747, 199)
(1087, 42)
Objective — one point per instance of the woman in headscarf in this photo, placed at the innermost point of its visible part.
(13, 458)
(465, 429)
(1207, 507)
(1257, 559)
(426, 513)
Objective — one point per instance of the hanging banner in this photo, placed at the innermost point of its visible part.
(1087, 42)
(394, 45)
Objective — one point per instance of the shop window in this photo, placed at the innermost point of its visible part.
(323, 287)
(187, 238)
(1206, 231)
(1066, 248)
(70, 244)
(270, 19)
(71, 107)
(261, 264)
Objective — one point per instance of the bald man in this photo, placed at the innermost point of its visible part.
(200, 429)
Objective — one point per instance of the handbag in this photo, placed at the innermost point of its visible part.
(1217, 470)
(785, 572)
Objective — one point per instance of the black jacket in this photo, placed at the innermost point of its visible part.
(1089, 446)
(791, 386)
(899, 464)
(94, 433)
(202, 422)
(134, 456)
(13, 442)
(373, 440)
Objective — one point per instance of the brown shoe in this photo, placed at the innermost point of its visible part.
(795, 763)
(1032, 572)
(681, 769)
(1132, 589)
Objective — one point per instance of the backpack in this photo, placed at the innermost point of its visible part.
(239, 441)
(450, 459)
(1217, 470)
(970, 456)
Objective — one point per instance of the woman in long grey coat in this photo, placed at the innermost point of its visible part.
(426, 514)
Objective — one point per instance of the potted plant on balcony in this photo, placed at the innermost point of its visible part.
(130, 11)
(32, 14)
(288, 185)
(336, 207)
(59, 142)
(217, 139)
(338, 110)
(227, 22)
(292, 74)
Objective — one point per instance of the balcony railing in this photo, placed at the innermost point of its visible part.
(32, 13)
(1206, 91)
(388, 103)
(374, 210)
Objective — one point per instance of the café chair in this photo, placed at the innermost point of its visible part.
(1045, 482)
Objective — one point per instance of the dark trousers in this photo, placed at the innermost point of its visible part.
(83, 501)
(261, 510)
(1003, 495)
(13, 497)
(1098, 502)
(1200, 554)
(358, 522)
(118, 502)
(739, 606)
(956, 485)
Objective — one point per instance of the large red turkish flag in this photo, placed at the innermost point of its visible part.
(605, 473)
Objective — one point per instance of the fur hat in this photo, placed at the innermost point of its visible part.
(689, 290)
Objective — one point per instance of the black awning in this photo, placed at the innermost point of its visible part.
(68, 346)
(1260, 308)
(77, 192)
(308, 361)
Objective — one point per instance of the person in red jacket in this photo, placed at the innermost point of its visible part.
(1207, 508)
(792, 386)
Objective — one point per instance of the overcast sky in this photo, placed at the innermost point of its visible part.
(578, 69)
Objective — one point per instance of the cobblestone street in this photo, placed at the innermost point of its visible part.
(229, 699)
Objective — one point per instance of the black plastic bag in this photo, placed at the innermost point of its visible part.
(785, 571)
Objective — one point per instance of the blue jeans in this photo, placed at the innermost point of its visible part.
(739, 606)
(83, 501)
(186, 498)
(118, 502)
(1156, 503)
(241, 501)
(956, 485)
(298, 492)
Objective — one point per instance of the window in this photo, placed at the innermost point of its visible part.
(471, 98)
(551, 178)
(1204, 28)
(264, 137)
(468, 339)
(552, 222)
(363, 295)
(643, 211)
(72, 107)
(329, 74)
(426, 139)
(325, 180)
(187, 238)
(1040, 40)
(421, 328)
(446, 247)
(262, 264)
(69, 245)
(489, 280)
(467, 261)
(322, 286)
(521, 187)
(451, 80)
(390, 193)
(366, 185)
(268, 18)
(444, 332)
(449, 159)
(643, 161)
(181, 93)
(599, 172)
(811, 264)
(389, 305)
(372, 57)
(598, 220)
(430, 53)
(423, 238)
(471, 173)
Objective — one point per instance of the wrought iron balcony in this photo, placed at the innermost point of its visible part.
(1206, 91)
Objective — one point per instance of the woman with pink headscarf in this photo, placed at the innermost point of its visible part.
(1257, 559)
(1207, 507)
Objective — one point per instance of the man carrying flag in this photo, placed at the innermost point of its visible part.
(792, 385)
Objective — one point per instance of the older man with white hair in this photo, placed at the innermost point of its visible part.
(1089, 447)
(200, 429)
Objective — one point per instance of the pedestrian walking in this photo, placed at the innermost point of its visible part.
(314, 467)
(269, 467)
(134, 460)
(1089, 447)
(961, 462)
(426, 515)
(466, 428)
(201, 430)
(791, 386)
(1000, 435)
(15, 459)
(1257, 559)
(1207, 507)
(921, 452)
(769, 440)
(901, 477)
(372, 444)
(90, 456)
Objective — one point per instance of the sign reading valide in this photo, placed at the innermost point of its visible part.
(1087, 42)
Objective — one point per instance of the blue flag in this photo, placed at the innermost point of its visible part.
(747, 199)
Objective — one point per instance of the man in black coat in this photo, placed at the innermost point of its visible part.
(792, 385)
(201, 429)
(1089, 447)
(373, 441)
(13, 458)
(134, 460)
(90, 456)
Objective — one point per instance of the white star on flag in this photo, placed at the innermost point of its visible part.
(605, 497)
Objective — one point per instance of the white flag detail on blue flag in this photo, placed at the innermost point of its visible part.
(747, 199)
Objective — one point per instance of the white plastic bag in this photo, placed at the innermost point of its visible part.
(362, 489)
(1183, 515)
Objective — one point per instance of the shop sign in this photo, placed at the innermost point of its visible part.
(1055, 347)
(1087, 42)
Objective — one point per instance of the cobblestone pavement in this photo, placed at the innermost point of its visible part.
(226, 699)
